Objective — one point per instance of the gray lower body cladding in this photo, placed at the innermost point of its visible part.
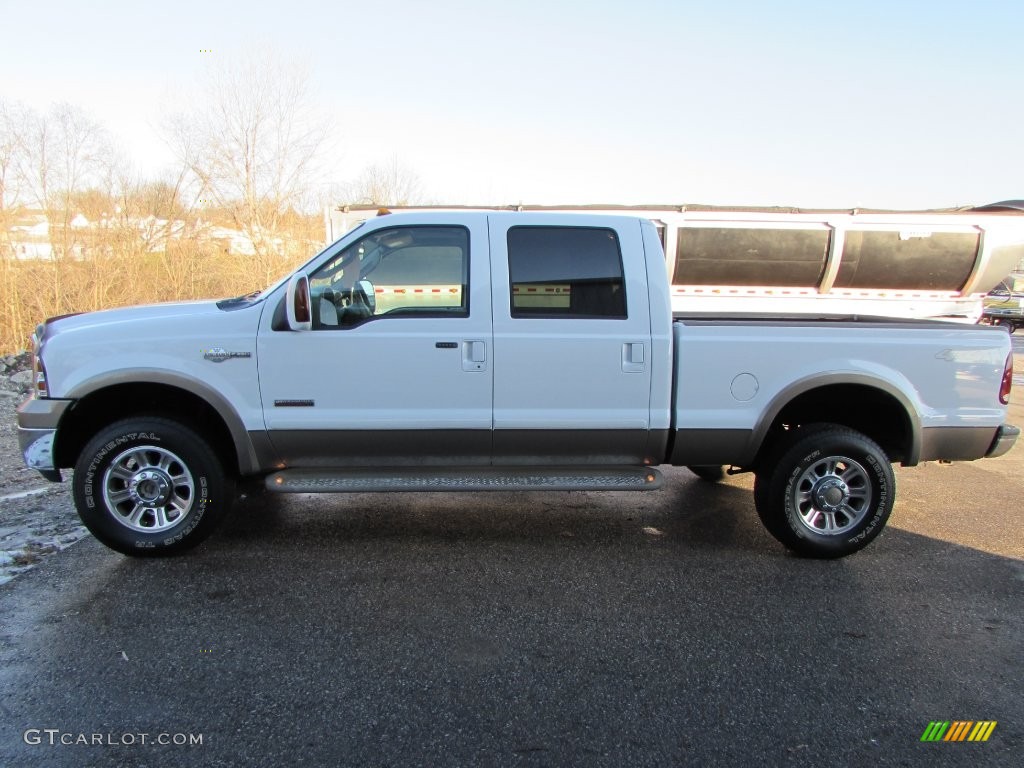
(466, 448)
(531, 448)
(739, 447)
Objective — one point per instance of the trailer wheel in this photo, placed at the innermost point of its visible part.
(826, 492)
(150, 486)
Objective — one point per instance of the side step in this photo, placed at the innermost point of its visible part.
(446, 480)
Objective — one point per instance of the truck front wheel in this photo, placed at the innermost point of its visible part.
(150, 487)
(828, 493)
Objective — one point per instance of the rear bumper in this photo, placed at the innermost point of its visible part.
(37, 430)
(1005, 437)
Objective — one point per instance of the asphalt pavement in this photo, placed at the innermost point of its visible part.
(556, 629)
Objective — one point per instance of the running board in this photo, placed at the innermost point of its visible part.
(483, 479)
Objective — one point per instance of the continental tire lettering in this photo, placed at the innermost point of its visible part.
(794, 476)
(880, 504)
(194, 517)
(87, 485)
(90, 477)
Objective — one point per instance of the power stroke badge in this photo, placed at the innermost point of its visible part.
(219, 354)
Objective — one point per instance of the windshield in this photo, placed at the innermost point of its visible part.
(248, 299)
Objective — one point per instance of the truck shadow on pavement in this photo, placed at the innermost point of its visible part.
(691, 514)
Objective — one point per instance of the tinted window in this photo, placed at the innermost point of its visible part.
(734, 256)
(400, 271)
(566, 272)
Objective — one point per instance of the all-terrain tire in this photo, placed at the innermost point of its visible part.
(150, 486)
(825, 491)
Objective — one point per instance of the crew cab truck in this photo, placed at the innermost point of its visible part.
(498, 351)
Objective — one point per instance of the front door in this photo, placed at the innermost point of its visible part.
(397, 370)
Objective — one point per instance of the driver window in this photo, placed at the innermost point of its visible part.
(395, 272)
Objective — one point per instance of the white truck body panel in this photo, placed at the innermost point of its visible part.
(946, 377)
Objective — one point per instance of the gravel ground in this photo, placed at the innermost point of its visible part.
(37, 517)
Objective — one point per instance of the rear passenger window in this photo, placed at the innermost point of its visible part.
(566, 272)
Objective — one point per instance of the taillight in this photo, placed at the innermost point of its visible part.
(1007, 385)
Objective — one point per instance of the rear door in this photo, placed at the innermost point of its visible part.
(572, 340)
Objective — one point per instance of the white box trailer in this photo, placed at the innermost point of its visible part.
(724, 260)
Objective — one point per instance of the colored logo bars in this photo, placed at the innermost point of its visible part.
(958, 730)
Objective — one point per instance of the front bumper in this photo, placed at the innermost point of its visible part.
(1005, 437)
(38, 419)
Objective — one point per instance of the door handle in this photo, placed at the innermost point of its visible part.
(474, 355)
(634, 357)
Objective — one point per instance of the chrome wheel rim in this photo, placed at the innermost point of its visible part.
(148, 489)
(832, 495)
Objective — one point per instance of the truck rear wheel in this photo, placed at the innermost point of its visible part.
(150, 487)
(827, 493)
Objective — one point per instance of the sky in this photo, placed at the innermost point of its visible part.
(902, 103)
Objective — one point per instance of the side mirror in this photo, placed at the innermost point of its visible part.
(297, 304)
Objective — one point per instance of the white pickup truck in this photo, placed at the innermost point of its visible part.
(498, 351)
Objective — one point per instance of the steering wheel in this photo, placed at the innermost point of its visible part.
(360, 305)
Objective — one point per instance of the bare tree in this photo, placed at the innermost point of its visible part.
(251, 147)
(11, 321)
(60, 153)
(12, 118)
(252, 140)
(8, 149)
(64, 152)
(388, 183)
(152, 211)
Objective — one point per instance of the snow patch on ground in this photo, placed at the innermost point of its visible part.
(23, 494)
(35, 520)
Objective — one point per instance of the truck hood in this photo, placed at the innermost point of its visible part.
(184, 342)
(109, 318)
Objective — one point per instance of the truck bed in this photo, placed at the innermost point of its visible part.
(724, 402)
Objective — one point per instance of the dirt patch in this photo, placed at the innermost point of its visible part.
(37, 517)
